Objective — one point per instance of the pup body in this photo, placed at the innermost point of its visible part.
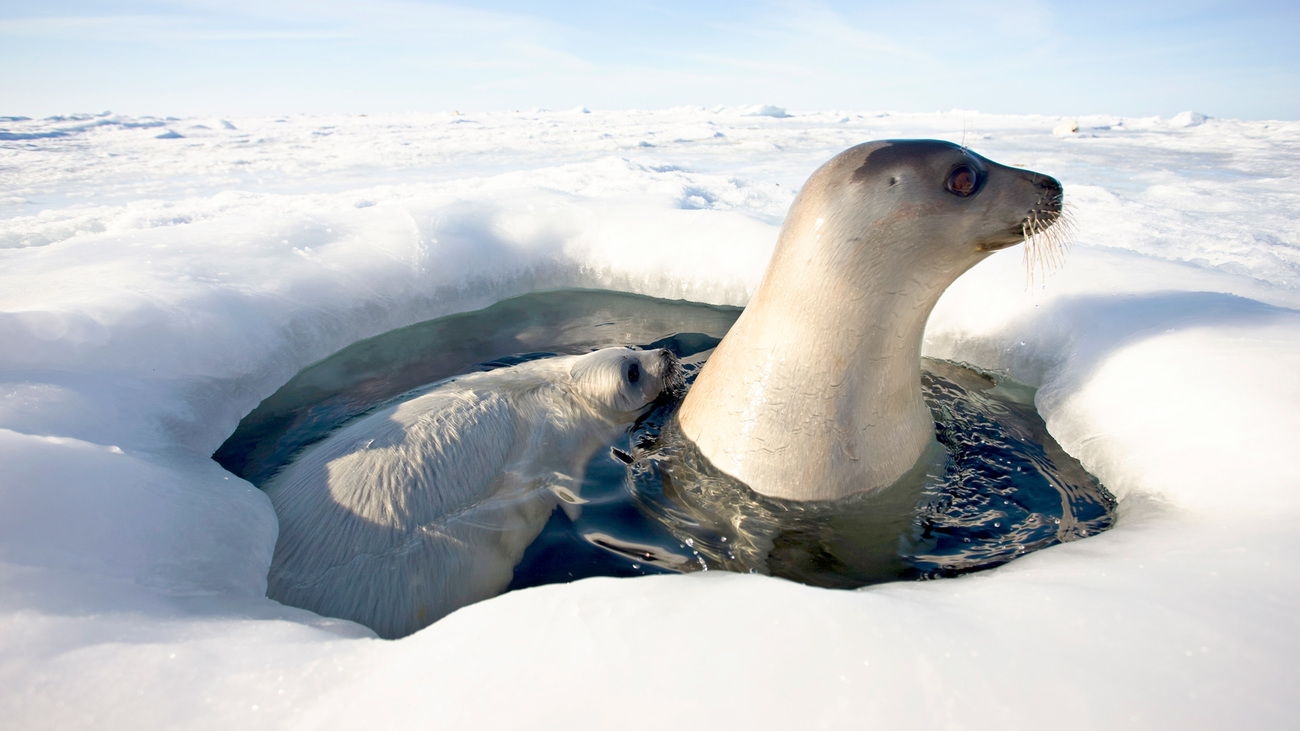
(422, 507)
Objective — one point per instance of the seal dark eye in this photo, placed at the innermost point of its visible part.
(963, 181)
(633, 373)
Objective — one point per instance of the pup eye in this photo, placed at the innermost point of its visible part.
(633, 373)
(963, 181)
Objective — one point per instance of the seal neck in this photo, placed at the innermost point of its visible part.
(819, 380)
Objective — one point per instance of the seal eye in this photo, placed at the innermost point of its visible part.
(963, 181)
(633, 373)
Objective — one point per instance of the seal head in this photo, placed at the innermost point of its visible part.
(815, 392)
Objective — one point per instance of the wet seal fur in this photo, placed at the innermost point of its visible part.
(815, 392)
(425, 506)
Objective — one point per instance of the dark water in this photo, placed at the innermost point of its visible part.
(995, 486)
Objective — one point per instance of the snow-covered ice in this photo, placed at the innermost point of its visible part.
(159, 277)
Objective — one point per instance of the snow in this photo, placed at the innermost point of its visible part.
(154, 287)
(766, 110)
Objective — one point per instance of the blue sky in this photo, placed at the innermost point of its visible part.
(183, 57)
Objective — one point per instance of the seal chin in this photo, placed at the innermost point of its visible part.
(992, 246)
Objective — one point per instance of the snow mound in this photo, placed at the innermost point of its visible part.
(1188, 119)
(765, 110)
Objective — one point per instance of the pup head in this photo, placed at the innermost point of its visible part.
(624, 380)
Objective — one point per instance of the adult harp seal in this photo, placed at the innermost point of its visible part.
(815, 392)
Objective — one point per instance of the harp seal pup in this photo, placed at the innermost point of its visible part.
(425, 506)
(815, 393)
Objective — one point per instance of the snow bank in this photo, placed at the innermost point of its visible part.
(153, 291)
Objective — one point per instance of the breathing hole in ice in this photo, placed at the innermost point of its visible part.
(995, 486)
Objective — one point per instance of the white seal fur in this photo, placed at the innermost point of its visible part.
(815, 392)
(420, 508)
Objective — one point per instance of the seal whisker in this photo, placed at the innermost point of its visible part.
(1047, 239)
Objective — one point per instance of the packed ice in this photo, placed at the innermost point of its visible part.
(159, 277)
